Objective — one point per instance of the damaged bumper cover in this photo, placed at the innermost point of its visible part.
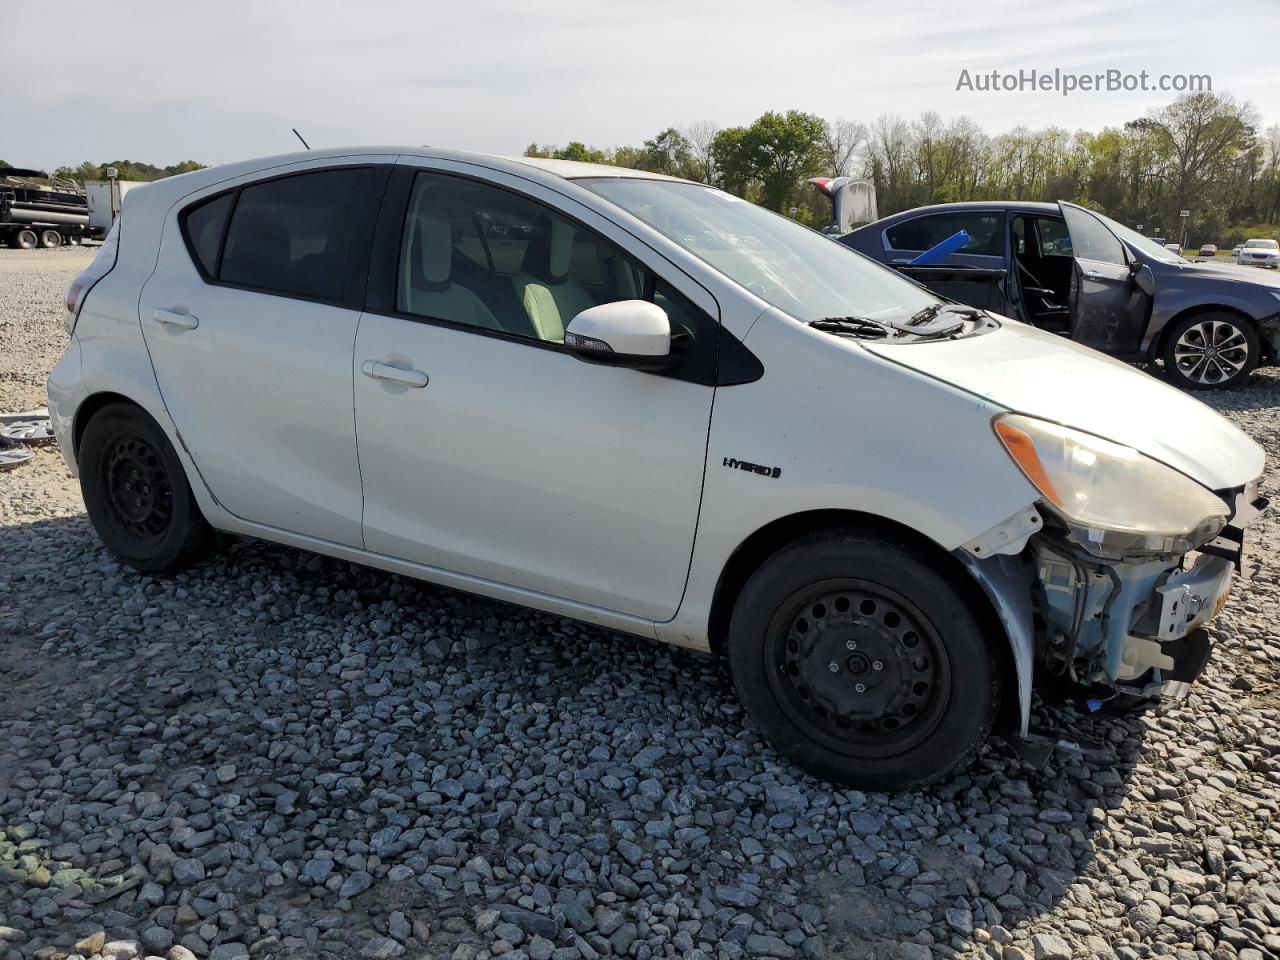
(1134, 625)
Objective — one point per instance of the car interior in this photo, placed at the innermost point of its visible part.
(1043, 264)
(476, 256)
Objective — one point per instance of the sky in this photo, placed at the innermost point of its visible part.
(161, 82)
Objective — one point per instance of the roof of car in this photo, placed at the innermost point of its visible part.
(163, 192)
(1016, 206)
(577, 170)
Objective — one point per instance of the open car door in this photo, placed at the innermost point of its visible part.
(1108, 308)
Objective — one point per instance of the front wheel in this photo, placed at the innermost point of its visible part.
(1209, 351)
(863, 664)
(136, 492)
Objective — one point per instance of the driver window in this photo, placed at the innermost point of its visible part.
(478, 256)
(1090, 240)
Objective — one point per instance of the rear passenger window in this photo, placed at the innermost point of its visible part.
(293, 235)
(204, 225)
(922, 233)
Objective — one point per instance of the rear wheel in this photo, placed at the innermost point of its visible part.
(136, 492)
(861, 663)
(1208, 351)
(50, 239)
(26, 239)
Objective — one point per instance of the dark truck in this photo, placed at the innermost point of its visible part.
(1076, 273)
(39, 210)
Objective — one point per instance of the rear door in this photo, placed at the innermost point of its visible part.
(250, 319)
(1108, 311)
(974, 274)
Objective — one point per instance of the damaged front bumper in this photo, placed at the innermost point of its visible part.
(1133, 626)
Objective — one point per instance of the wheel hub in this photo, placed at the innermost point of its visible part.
(137, 488)
(1211, 351)
(861, 665)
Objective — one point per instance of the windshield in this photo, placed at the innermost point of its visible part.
(1263, 244)
(1152, 248)
(789, 266)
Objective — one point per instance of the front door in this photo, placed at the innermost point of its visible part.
(488, 450)
(1108, 310)
(250, 325)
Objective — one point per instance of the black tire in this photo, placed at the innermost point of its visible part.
(1211, 350)
(50, 239)
(26, 239)
(136, 492)
(896, 628)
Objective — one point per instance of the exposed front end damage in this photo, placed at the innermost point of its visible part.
(1131, 624)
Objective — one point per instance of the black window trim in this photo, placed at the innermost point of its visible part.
(384, 266)
(355, 278)
(1000, 213)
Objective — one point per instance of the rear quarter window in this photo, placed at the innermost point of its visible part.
(203, 226)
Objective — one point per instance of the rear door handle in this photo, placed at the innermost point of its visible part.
(1093, 275)
(179, 319)
(385, 371)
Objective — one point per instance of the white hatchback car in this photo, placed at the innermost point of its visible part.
(647, 404)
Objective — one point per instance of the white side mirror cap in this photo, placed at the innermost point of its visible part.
(614, 332)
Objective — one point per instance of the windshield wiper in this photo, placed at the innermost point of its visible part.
(921, 317)
(861, 328)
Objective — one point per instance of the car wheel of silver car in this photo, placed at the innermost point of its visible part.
(1211, 350)
(862, 663)
(136, 492)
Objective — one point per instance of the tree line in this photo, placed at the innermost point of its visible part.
(1203, 152)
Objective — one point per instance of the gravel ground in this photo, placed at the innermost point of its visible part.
(280, 755)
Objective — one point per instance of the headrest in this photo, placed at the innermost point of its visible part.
(435, 244)
(550, 248)
(561, 247)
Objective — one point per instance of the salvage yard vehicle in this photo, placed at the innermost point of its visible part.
(647, 404)
(1083, 276)
(37, 210)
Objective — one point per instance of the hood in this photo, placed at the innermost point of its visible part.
(1232, 272)
(1044, 375)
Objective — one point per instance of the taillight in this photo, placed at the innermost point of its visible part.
(99, 268)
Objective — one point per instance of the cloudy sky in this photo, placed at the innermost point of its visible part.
(168, 81)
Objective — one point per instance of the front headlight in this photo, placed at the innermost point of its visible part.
(1116, 500)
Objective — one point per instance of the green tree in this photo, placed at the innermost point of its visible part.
(669, 152)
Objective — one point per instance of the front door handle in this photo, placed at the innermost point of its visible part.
(385, 371)
(1093, 275)
(178, 319)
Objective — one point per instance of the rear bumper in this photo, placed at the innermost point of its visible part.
(66, 391)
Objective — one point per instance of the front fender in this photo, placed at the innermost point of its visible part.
(1007, 581)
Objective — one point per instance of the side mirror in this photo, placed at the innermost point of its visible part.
(625, 333)
(1143, 277)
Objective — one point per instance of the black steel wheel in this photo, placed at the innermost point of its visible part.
(861, 659)
(136, 492)
(856, 664)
